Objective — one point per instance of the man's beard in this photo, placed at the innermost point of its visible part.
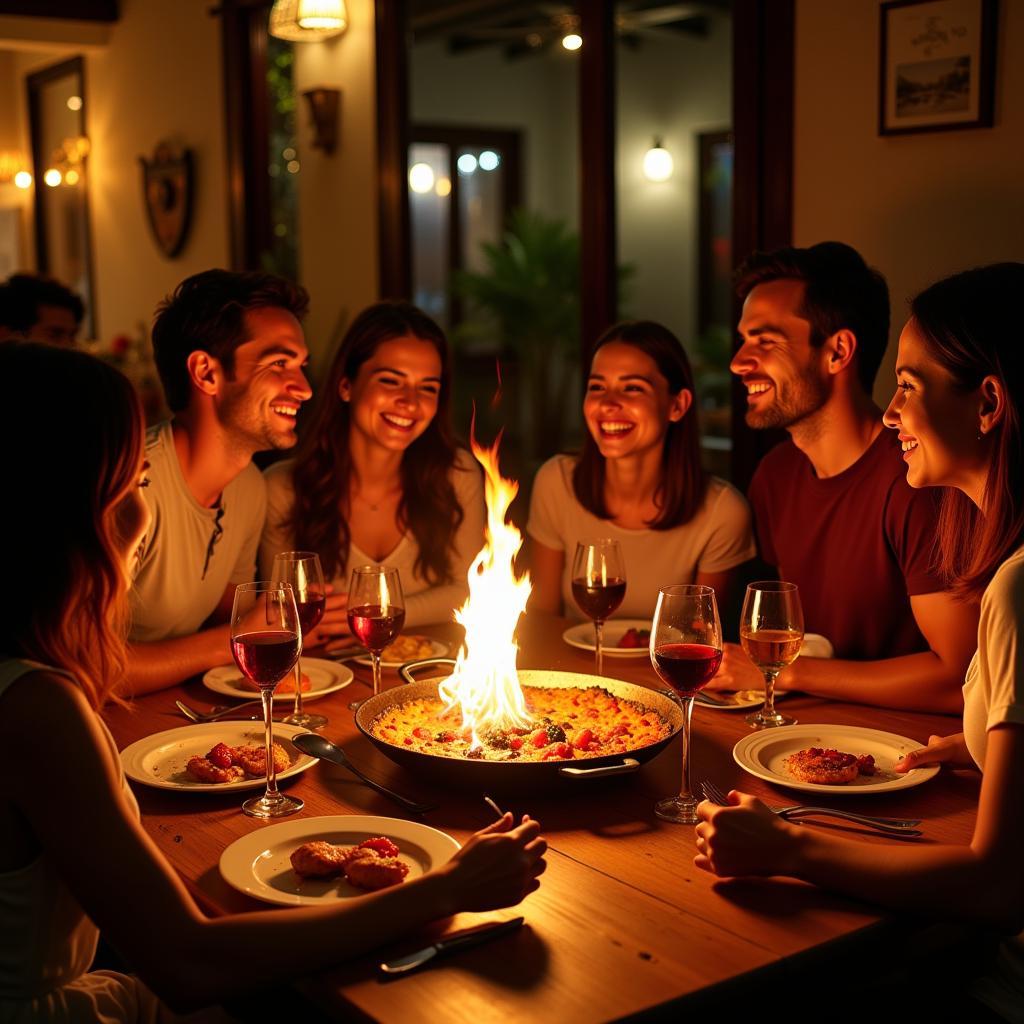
(803, 396)
(249, 430)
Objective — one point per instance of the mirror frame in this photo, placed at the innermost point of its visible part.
(34, 83)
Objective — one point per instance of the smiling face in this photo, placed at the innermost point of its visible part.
(260, 400)
(938, 421)
(784, 374)
(395, 393)
(628, 406)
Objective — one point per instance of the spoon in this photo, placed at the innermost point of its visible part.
(318, 746)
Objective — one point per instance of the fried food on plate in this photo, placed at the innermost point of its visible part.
(231, 764)
(828, 767)
(371, 865)
(408, 648)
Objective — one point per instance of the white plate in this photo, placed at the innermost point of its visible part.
(159, 760)
(582, 636)
(437, 650)
(324, 676)
(259, 863)
(763, 753)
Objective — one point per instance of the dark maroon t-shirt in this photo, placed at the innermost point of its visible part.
(858, 545)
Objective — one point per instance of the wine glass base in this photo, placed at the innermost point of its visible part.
(306, 720)
(677, 809)
(759, 720)
(273, 807)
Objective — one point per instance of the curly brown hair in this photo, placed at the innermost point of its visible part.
(323, 463)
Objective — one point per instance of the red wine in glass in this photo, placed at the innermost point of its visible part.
(265, 655)
(598, 600)
(311, 611)
(301, 570)
(687, 668)
(265, 643)
(375, 627)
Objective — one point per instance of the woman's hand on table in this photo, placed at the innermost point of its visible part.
(498, 866)
(948, 750)
(737, 671)
(745, 838)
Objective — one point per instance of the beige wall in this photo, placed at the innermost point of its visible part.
(916, 206)
(157, 77)
(338, 243)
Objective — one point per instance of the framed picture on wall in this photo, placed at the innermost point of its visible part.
(937, 66)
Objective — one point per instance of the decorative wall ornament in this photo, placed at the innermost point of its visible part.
(167, 191)
(323, 110)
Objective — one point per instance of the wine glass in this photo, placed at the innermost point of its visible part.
(376, 612)
(302, 570)
(265, 643)
(598, 586)
(686, 651)
(771, 632)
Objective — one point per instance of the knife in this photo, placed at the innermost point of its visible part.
(462, 940)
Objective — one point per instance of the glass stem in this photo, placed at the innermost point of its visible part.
(297, 710)
(599, 645)
(375, 655)
(268, 720)
(686, 703)
(770, 676)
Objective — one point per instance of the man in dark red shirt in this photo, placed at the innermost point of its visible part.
(832, 508)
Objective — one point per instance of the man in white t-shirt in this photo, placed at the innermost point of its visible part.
(231, 353)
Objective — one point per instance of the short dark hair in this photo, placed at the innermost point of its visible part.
(206, 313)
(22, 294)
(840, 291)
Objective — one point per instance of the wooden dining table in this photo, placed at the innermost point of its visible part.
(623, 925)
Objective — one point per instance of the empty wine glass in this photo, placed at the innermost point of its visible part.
(686, 651)
(772, 633)
(376, 612)
(302, 570)
(265, 645)
(598, 586)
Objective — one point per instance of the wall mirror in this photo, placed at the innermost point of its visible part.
(56, 107)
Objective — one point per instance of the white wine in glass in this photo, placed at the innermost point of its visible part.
(771, 633)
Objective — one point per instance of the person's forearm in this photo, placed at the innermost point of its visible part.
(914, 682)
(164, 663)
(947, 881)
(227, 956)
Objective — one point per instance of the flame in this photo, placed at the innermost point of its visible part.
(485, 684)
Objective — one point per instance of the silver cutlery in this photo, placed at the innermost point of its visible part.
(216, 713)
(464, 940)
(797, 812)
(320, 747)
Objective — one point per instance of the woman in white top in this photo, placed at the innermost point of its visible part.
(73, 855)
(377, 477)
(959, 408)
(638, 480)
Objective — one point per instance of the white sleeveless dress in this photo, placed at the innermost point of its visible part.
(47, 943)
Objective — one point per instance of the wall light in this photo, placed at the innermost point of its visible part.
(52, 177)
(300, 21)
(466, 163)
(572, 41)
(23, 180)
(421, 178)
(489, 160)
(444, 187)
(657, 163)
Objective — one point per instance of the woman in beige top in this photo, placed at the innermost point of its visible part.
(377, 477)
(959, 410)
(73, 855)
(638, 480)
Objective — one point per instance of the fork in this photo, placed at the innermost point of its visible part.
(216, 713)
(891, 826)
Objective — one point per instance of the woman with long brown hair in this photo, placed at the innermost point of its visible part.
(959, 410)
(73, 855)
(377, 477)
(638, 480)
